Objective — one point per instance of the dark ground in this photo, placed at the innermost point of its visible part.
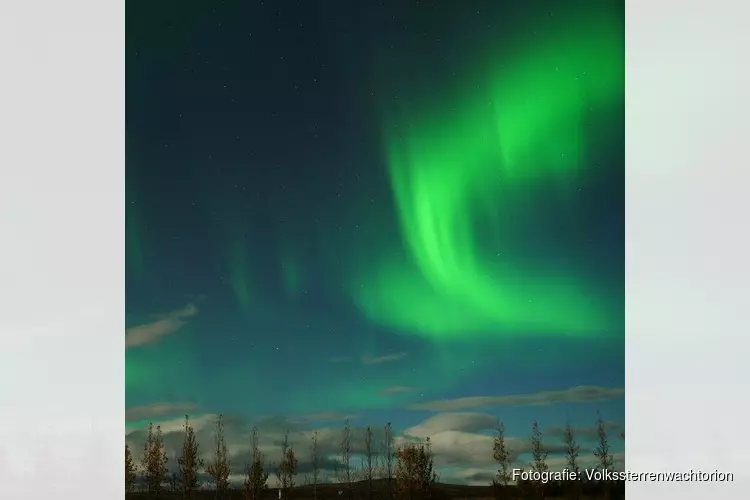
(360, 491)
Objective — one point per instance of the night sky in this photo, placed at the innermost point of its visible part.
(374, 210)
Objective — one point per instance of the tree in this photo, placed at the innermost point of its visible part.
(154, 461)
(501, 454)
(538, 456)
(602, 453)
(219, 469)
(287, 468)
(368, 468)
(130, 473)
(388, 458)
(189, 463)
(174, 483)
(256, 477)
(414, 471)
(315, 459)
(345, 459)
(572, 488)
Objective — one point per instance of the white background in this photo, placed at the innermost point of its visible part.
(62, 246)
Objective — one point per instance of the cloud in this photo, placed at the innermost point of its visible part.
(397, 389)
(457, 440)
(151, 333)
(324, 417)
(588, 433)
(158, 410)
(367, 360)
(572, 395)
(585, 461)
(465, 422)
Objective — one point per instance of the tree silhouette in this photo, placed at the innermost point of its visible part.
(130, 472)
(501, 455)
(345, 459)
(287, 468)
(219, 469)
(154, 461)
(315, 460)
(538, 456)
(603, 455)
(189, 463)
(388, 459)
(256, 477)
(572, 488)
(368, 468)
(414, 471)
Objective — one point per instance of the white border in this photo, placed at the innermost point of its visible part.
(62, 248)
(687, 244)
(62, 230)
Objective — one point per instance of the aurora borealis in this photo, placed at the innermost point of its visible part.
(351, 209)
(515, 129)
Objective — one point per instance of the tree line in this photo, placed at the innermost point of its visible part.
(385, 470)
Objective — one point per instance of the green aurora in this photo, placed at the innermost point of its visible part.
(462, 164)
(452, 162)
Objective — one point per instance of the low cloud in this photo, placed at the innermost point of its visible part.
(578, 394)
(324, 417)
(158, 410)
(387, 358)
(151, 333)
(588, 433)
(464, 422)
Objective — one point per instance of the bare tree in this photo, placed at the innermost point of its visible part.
(602, 454)
(345, 459)
(154, 461)
(414, 471)
(174, 483)
(189, 463)
(130, 473)
(315, 459)
(368, 467)
(538, 455)
(219, 469)
(256, 477)
(388, 457)
(287, 468)
(501, 454)
(573, 488)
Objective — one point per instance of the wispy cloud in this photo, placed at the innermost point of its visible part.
(151, 333)
(387, 358)
(577, 394)
(397, 389)
(158, 410)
